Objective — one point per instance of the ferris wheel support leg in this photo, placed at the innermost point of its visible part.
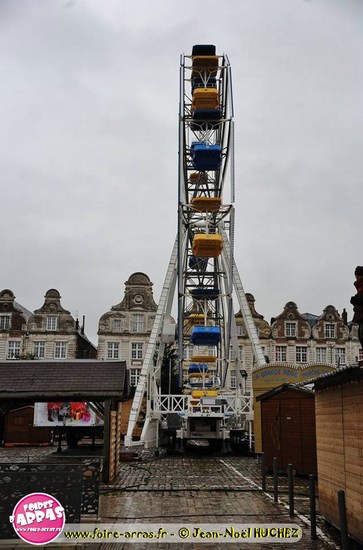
(147, 379)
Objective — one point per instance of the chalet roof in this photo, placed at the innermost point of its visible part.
(72, 379)
(338, 376)
(284, 388)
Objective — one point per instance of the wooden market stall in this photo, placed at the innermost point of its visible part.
(339, 432)
(288, 428)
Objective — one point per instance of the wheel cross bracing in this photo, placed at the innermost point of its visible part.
(203, 272)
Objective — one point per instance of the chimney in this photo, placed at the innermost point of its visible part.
(83, 324)
(345, 316)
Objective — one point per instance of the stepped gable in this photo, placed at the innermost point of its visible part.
(331, 316)
(291, 314)
(138, 298)
(262, 325)
(138, 294)
(52, 307)
(8, 307)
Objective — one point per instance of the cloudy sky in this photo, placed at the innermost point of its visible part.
(88, 156)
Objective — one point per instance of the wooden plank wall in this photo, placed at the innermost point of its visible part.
(115, 442)
(288, 431)
(339, 432)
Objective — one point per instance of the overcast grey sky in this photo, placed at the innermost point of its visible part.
(88, 156)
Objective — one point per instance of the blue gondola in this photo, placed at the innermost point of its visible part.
(206, 115)
(198, 263)
(206, 157)
(201, 293)
(199, 384)
(197, 368)
(204, 49)
(205, 119)
(205, 336)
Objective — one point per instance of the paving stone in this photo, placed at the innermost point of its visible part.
(189, 489)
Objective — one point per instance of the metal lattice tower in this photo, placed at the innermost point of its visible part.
(201, 271)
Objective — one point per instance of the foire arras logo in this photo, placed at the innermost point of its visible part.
(38, 518)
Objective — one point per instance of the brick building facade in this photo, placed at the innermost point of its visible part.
(124, 330)
(49, 333)
(299, 339)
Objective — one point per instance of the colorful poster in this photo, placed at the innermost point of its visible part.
(65, 413)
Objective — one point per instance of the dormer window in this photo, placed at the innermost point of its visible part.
(52, 322)
(4, 322)
(137, 323)
(290, 328)
(117, 325)
(329, 329)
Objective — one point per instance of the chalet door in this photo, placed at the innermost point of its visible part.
(271, 432)
(291, 433)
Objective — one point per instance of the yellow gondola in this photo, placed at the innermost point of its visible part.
(198, 178)
(206, 204)
(204, 393)
(207, 246)
(203, 358)
(205, 98)
(196, 318)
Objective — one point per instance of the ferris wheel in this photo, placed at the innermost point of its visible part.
(202, 273)
(205, 216)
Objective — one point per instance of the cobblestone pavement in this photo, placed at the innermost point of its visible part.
(191, 490)
(49, 454)
(214, 490)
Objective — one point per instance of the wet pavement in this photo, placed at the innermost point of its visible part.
(190, 490)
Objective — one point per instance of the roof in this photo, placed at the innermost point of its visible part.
(338, 376)
(311, 318)
(27, 314)
(73, 379)
(284, 388)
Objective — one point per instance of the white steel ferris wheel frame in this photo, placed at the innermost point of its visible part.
(220, 272)
(217, 273)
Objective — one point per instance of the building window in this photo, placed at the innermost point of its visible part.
(113, 350)
(117, 325)
(280, 353)
(360, 357)
(188, 352)
(13, 349)
(134, 376)
(60, 350)
(233, 379)
(239, 330)
(52, 322)
(39, 349)
(340, 356)
(137, 323)
(136, 350)
(241, 353)
(4, 322)
(321, 355)
(290, 328)
(329, 330)
(301, 354)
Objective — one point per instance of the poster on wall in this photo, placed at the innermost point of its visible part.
(65, 413)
